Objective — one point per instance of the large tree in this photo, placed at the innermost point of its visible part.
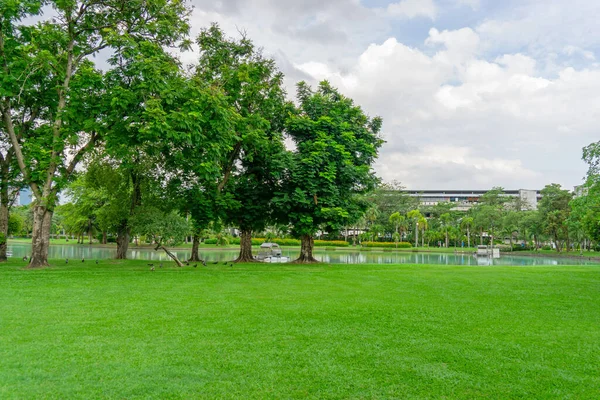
(252, 169)
(50, 61)
(331, 166)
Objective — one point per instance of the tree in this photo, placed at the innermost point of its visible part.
(467, 224)
(423, 224)
(48, 79)
(390, 197)
(446, 220)
(415, 216)
(531, 223)
(587, 205)
(554, 211)
(15, 224)
(398, 221)
(254, 166)
(510, 225)
(165, 229)
(331, 167)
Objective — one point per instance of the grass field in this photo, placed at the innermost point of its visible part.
(118, 330)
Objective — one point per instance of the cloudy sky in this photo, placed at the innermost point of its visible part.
(473, 93)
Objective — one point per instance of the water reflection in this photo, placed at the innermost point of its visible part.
(77, 252)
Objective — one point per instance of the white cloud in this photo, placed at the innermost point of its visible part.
(413, 8)
(455, 119)
(509, 100)
(571, 50)
(474, 4)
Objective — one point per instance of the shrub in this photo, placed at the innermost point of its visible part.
(336, 243)
(401, 245)
(210, 241)
(546, 247)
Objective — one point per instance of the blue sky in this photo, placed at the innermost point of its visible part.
(473, 93)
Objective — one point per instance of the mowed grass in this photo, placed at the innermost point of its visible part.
(118, 330)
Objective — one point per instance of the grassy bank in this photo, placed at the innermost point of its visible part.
(119, 330)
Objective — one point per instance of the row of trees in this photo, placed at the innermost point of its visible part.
(150, 146)
(561, 218)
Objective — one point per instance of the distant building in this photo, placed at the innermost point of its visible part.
(580, 191)
(463, 200)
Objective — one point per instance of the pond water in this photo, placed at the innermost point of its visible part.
(76, 252)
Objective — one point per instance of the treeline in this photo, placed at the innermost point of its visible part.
(563, 220)
(148, 146)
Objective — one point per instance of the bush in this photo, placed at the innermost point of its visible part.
(336, 243)
(401, 245)
(546, 247)
(210, 241)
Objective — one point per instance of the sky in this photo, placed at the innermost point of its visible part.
(473, 93)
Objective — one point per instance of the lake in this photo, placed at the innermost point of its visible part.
(76, 252)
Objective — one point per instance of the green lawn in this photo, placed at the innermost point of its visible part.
(118, 330)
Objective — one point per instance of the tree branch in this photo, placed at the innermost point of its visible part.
(232, 157)
(6, 115)
(79, 155)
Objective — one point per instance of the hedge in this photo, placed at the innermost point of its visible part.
(401, 245)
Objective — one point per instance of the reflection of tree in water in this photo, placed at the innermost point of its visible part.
(78, 252)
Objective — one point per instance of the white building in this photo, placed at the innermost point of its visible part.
(465, 199)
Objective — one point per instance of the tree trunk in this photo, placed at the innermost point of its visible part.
(481, 237)
(173, 256)
(468, 237)
(245, 247)
(422, 237)
(306, 250)
(104, 238)
(446, 239)
(195, 246)
(417, 234)
(122, 242)
(40, 241)
(3, 227)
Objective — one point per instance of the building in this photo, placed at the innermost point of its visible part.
(465, 199)
(580, 191)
